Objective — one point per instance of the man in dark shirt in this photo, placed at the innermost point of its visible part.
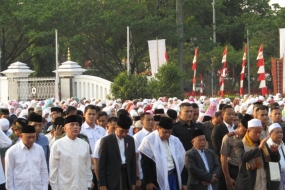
(183, 130)
(209, 125)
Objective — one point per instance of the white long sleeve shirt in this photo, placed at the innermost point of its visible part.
(5, 142)
(26, 169)
(70, 164)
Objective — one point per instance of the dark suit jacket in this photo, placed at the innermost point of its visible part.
(149, 171)
(246, 178)
(110, 161)
(197, 171)
(217, 136)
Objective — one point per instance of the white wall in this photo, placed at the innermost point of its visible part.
(86, 86)
(4, 89)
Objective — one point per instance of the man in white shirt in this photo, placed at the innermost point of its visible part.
(70, 163)
(25, 163)
(148, 123)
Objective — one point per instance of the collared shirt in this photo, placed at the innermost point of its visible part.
(4, 143)
(25, 168)
(121, 143)
(203, 156)
(138, 137)
(93, 134)
(227, 148)
(70, 164)
(169, 159)
(230, 128)
(43, 141)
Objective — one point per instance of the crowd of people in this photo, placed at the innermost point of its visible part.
(198, 143)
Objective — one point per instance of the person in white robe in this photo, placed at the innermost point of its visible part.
(70, 163)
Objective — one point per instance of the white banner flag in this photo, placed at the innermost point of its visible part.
(282, 51)
(157, 50)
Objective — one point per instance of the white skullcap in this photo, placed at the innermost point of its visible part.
(249, 110)
(281, 103)
(4, 124)
(254, 123)
(133, 113)
(273, 126)
(138, 124)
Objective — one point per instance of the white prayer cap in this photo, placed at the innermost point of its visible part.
(254, 123)
(138, 124)
(133, 113)
(273, 126)
(249, 110)
(281, 103)
(4, 124)
(140, 110)
(261, 98)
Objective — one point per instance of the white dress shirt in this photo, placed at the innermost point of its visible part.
(203, 156)
(70, 164)
(230, 127)
(26, 169)
(121, 143)
(4, 143)
(138, 137)
(169, 159)
(93, 134)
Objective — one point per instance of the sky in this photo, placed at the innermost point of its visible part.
(280, 2)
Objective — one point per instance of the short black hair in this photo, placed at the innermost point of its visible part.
(261, 108)
(274, 104)
(143, 115)
(31, 109)
(79, 112)
(122, 111)
(275, 108)
(100, 114)
(111, 119)
(90, 107)
(240, 116)
(226, 107)
(194, 105)
(218, 114)
(185, 104)
(70, 109)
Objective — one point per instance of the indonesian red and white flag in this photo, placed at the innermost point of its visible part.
(224, 71)
(261, 71)
(242, 71)
(194, 63)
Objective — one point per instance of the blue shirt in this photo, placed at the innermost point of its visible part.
(43, 141)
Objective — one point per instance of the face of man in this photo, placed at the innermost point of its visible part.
(236, 120)
(102, 121)
(90, 116)
(12, 110)
(199, 142)
(39, 112)
(120, 132)
(54, 115)
(241, 130)
(262, 115)
(186, 113)
(195, 114)
(254, 133)
(113, 112)
(276, 135)
(217, 120)
(276, 116)
(17, 132)
(164, 134)
(228, 115)
(38, 126)
(111, 126)
(28, 139)
(148, 122)
(72, 129)
(136, 130)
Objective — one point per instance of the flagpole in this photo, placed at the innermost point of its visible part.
(157, 56)
(128, 49)
(248, 62)
(56, 63)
